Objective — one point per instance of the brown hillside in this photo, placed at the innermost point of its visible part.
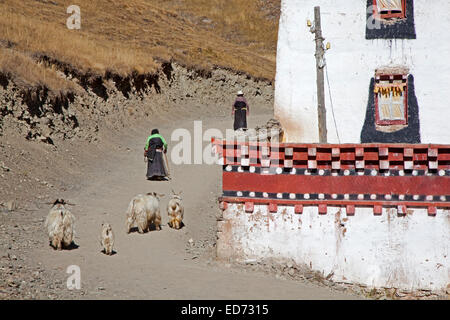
(126, 36)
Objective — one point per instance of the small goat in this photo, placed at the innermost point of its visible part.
(60, 225)
(144, 210)
(107, 239)
(175, 210)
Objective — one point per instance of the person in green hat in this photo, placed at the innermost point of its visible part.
(154, 148)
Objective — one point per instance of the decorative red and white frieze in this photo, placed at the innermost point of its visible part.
(348, 175)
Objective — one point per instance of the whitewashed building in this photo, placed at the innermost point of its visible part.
(365, 53)
(372, 206)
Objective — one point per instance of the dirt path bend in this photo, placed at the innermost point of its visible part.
(160, 264)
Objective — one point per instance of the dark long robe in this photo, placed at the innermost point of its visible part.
(240, 108)
(156, 167)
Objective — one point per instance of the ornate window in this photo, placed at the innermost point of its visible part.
(391, 99)
(386, 9)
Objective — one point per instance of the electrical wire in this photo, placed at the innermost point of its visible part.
(331, 102)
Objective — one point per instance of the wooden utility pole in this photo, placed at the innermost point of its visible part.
(320, 64)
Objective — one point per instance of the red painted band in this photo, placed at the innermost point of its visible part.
(408, 185)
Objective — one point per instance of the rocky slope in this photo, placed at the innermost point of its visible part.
(44, 138)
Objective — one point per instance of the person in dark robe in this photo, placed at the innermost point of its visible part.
(240, 111)
(155, 147)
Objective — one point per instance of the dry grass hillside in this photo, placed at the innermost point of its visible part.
(134, 36)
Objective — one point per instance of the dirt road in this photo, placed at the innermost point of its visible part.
(159, 264)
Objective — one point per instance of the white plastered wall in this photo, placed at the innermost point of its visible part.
(351, 64)
(408, 252)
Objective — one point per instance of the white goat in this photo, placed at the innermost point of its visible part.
(60, 225)
(107, 239)
(175, 210)
(144, 210)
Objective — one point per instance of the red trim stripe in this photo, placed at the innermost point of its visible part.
(413, 185)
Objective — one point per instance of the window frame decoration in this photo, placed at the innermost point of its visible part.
(389, 14)
(393, 88)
